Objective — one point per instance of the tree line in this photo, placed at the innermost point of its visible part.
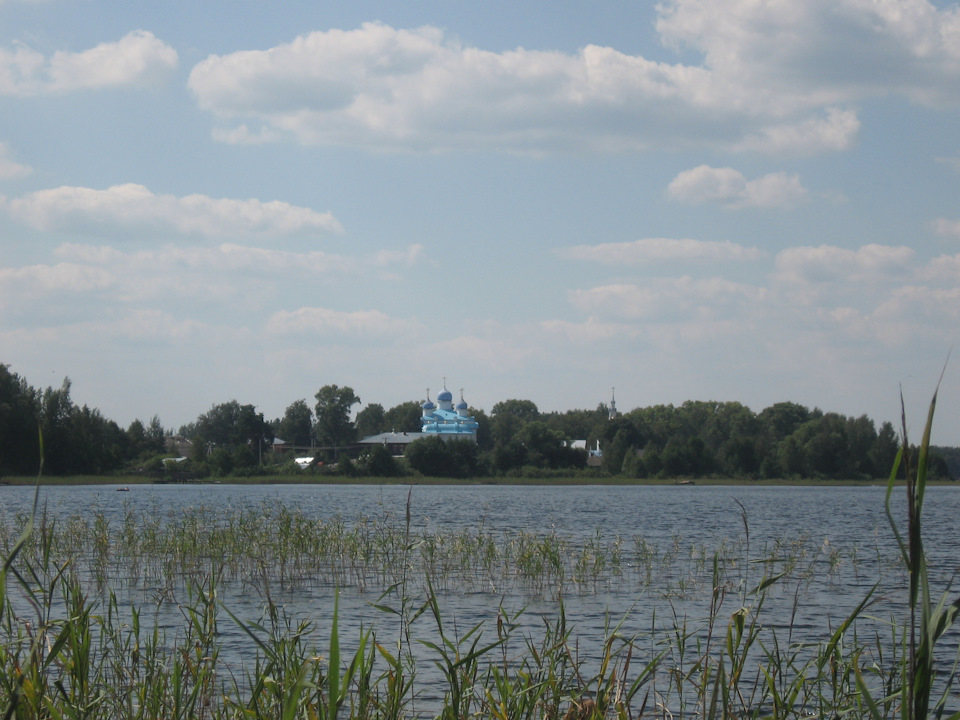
(692, 440)
(75, 440)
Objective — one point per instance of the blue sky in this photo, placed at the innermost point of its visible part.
(706, 200)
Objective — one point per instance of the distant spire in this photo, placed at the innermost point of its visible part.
(613, 404)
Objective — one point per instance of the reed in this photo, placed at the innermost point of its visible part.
(927, 620)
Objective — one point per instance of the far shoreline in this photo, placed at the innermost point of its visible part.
(135, 480)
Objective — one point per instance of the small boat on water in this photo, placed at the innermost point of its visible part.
(123, 489)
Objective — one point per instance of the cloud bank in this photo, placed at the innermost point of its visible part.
(728, 187)
(774, 77)
(652, 250)
(138, 58)
(132, 208)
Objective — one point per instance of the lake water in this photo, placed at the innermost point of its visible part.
(843, 530)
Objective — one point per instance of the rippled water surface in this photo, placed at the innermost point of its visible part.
(843, 534)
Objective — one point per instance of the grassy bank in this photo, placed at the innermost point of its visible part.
(301, 479)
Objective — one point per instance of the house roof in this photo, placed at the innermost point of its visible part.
(393, 438)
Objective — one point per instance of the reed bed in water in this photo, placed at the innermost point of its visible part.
(290, 548)
(91, 655)
(70, 649)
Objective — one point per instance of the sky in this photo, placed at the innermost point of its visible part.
(729, 200)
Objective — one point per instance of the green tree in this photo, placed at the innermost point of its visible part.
(861, 436)
(484, 433)
(334, 428)
(156, 435)
(404, 417)
(19, 424)
(434, 457)
(699, 456)
(371, 420)
(633, 465)
(57, 407)
(136, 440)
(230, 426)
(884, 450)
(296, 427)
(546, 448)
(504, 428)
(525, 410)
(791, 457)
(464, 458)
(676, 463)
(652, 460)
(740, 456)
(509, 456)
(346, 466)
(429, 456)
(616, 450)
(380, 463)
(825, 446)
(783, 419)
(94, 444)
(576, 424)
(144, 441)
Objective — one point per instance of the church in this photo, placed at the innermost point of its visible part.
(447, 421)
(443, 419)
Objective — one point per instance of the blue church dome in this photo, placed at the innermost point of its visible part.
(446, 422)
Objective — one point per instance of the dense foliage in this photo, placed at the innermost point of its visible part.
(695, 439)
(76, 440)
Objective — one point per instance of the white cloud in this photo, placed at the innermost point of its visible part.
(242, 135)
(830, 264)
(198, 271)
(650, 250)
(320, 321)
(835, 131)
(418, 89)
(62, 277)
(945, 269)
(661, 299)
(953, 162)
(730, 188)
(793, 54)
(585, 333)
(778, 77)
(829, 295)
(9, 168)
(502, 349)
(122, 209)
(138, 58)
(947, 228)
(227, 280)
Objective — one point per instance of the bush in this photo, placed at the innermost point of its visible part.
(379, 463)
